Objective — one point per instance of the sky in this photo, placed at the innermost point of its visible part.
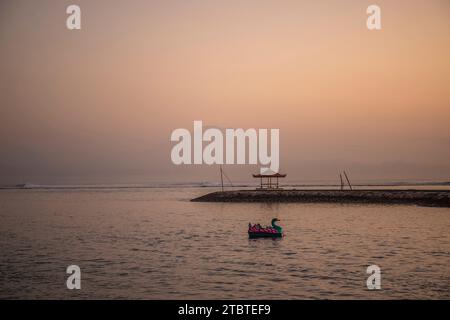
(98, 105)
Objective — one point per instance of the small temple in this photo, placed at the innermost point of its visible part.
(269, 179)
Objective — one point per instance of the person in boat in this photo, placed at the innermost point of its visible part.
(274, 228)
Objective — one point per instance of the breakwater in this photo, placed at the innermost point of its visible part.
(437, 198)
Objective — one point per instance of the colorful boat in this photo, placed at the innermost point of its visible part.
(256, 231)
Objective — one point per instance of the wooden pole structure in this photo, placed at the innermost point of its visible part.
(342, 181)
(221, 177)
(348, 181)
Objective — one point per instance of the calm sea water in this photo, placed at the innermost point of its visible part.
(155, 244)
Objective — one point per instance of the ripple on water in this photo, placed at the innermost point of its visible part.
(202, 250)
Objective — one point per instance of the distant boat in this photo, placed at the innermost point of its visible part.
(25, 185)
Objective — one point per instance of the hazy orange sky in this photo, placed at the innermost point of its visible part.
(98, 105)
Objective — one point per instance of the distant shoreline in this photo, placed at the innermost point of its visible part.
(434, 198)
(206, 184)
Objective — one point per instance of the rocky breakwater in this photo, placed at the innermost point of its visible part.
(437, 198)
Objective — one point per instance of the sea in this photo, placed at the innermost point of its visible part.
(140, 242)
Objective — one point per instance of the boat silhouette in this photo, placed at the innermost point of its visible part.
(257, 231)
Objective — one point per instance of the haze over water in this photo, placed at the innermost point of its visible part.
(154, 243)
(98, 105)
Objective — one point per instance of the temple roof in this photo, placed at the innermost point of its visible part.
(269, 175)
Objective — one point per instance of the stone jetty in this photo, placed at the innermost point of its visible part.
(435, 198)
